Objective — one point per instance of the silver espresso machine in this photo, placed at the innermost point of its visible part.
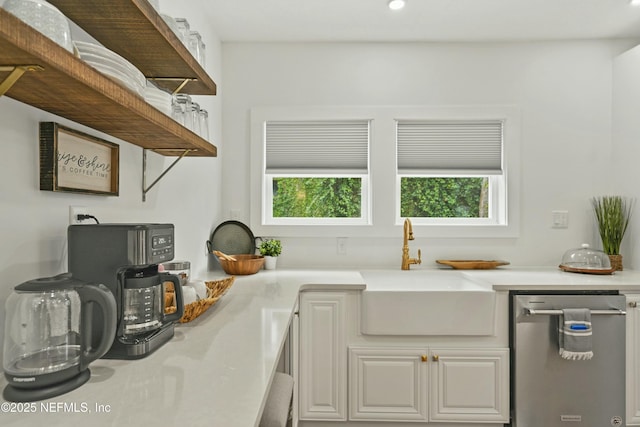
(125, 258)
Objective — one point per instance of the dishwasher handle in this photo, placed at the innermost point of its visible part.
(534, 312)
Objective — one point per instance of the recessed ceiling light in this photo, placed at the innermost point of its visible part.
(634, 2)
(396, 4)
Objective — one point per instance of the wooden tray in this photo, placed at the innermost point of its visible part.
(587, 270)
(471, 264)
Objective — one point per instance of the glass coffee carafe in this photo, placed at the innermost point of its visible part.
(47, 327)
(143, 301)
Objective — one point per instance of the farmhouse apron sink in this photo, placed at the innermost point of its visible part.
(426, 302)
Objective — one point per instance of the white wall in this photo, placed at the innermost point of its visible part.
(33, 223)
(626, 144)
(563, 89)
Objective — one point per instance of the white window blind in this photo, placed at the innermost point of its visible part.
(317, 146)
(449, 146)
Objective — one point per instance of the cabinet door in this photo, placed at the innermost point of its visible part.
(633, 360)
(388, 384)
(469, 385)
(323, 356)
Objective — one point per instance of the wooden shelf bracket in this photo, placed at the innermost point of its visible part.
(15, 72)
(180, 86)
(146, 189)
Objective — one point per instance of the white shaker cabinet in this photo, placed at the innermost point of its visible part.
(388, 384)
(435, 385)
(469, 385)
(633, 360)
(322, 388)
(347, 377)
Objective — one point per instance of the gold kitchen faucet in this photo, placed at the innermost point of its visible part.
(408, 235)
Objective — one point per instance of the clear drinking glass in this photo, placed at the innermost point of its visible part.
(195, 42)
(182, 109)
(202, 51)
(176, 112)
(171, 22)
(194, 117)
(204, 124)
(184, 28)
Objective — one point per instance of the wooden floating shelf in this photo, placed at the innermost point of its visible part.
(68, 87)
(133, 29)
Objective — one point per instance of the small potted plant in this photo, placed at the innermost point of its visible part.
(271, 249)
(613, 214)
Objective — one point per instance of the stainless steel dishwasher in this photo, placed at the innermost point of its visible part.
(549, 391)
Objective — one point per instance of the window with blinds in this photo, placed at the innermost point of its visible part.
(361, 170)
(317, 171)
(472, 147)
(450, 170)
(308, 147)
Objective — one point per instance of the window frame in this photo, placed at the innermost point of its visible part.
(260, 181)
(267, 208)
(497, 202)
(383, 182)
(498, 197)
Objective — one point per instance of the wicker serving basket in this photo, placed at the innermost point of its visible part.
(215, 290)
(243, 264)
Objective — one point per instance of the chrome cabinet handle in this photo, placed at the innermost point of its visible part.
(533, 312)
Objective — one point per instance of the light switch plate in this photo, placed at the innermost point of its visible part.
(341, 246)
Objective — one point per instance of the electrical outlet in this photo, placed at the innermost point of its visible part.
(560, 219)
(341, 246)
(74, 211)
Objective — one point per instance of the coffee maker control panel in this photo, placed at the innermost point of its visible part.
(151, 244)
(162, 247)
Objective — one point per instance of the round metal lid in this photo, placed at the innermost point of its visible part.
(232, 237)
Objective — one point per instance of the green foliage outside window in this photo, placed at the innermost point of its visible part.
(317, 197)
(444, 197)
(341, 197)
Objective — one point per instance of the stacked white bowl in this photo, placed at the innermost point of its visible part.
(44, 17)
(158, 98)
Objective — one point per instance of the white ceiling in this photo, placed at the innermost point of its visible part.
(422, 20)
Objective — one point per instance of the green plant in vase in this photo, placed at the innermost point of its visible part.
(270, 249)
(613, 214)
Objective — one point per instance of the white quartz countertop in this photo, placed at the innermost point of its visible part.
(550, 279)
(217, 369)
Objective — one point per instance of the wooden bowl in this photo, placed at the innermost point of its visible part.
(243, 265)
(471, 264)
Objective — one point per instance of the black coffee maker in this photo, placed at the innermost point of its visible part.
(125, 258)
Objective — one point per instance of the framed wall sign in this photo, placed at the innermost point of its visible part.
(73, 161)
